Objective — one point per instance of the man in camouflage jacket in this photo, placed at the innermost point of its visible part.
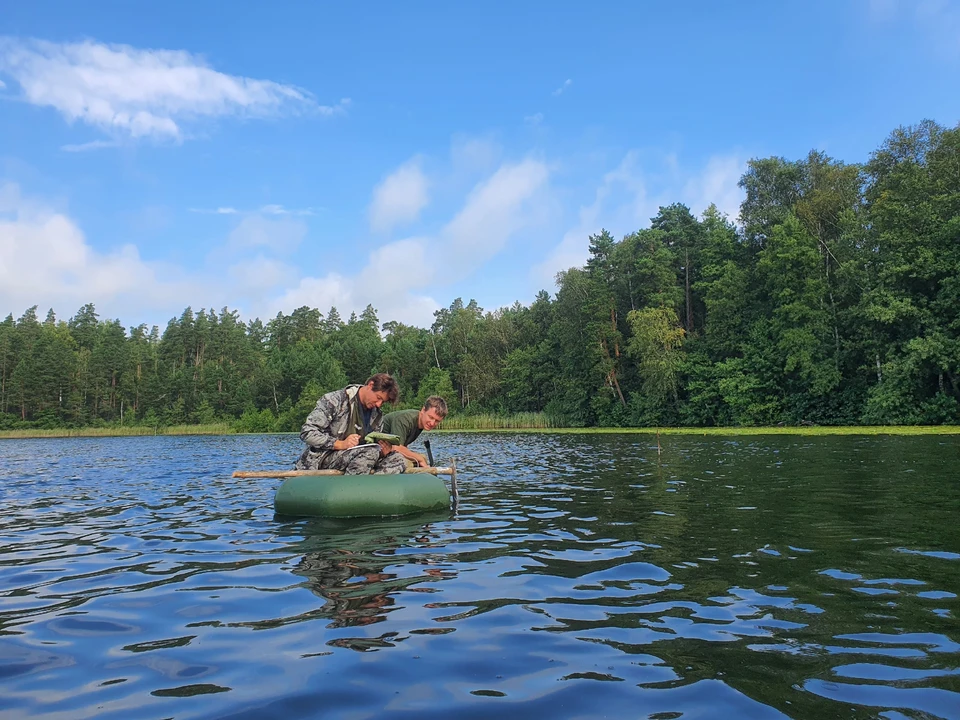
(335, 430)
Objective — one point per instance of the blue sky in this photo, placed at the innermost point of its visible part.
(264, 157)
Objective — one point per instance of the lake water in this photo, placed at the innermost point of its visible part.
(582, 576)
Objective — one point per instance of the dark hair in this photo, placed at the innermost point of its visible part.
(382, 382)
(437, 403)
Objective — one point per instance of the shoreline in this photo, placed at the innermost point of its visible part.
(808, 431)
(741, 430)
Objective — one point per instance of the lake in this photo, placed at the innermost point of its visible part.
(581, 576)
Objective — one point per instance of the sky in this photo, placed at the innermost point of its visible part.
(263, 157)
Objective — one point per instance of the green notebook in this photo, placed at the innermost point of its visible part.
(374, 436)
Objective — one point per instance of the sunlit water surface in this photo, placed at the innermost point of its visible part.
(581, 576)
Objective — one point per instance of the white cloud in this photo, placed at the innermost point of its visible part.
(399, 198)
(46, 259)
(628, 196)
(390, 281)
(129, 92)
(282, 235)
(534, 120)
(397, 266)
(265, 210)
(348, 295)
(317, 292)
(572, 251)
(472, 156)
(260, 275)
(281, 210)
(717, 184)
(92, 145)
(399, 278)
(563, 88)
(338, 109)
(496, 209)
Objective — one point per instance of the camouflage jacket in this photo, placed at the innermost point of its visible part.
(334, 418)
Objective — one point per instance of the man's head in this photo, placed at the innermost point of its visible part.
(433, 411)
(380, 388)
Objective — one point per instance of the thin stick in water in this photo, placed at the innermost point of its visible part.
(453, 483)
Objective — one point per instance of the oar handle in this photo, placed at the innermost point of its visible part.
(299, 473)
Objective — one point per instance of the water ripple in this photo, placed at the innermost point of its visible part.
(723, 577)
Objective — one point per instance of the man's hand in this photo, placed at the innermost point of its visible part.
(419, 459)
(347, 443)
(385, 448)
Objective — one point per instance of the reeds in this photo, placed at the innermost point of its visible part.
(517, 421)
(805, 430)
(119, 431)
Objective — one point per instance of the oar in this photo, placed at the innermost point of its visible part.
(452, 471)
(453, 483)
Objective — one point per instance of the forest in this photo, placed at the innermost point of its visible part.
(834, 299)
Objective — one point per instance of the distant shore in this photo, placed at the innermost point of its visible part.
(224, 429)
(773, 430)
(125, 431)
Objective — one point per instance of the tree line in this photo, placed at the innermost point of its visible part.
(834, 300)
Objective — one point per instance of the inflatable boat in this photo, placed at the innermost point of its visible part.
(329, 493)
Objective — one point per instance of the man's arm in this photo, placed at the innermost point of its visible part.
(399, 424)
(317, 431)
(411, 455)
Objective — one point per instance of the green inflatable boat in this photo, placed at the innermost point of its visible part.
(361, 495)
(330, 493)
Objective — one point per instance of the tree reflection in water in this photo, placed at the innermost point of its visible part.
(359, 567)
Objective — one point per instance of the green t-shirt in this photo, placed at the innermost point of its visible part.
(404, 424)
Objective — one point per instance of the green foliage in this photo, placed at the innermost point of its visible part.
(486, 421)
(701, 403)
(436, 382)
(523, 379)
(254, 421)
(836, 299)
(205, 414)
(655, 345)
(941, 409)
(357, 346)
(800, 321)
(292, 416)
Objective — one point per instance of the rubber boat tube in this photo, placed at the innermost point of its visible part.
(360, 495)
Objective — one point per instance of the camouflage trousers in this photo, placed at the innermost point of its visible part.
(362, 461)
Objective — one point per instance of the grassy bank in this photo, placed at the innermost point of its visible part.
(519, 421)
(740, 431)
(491, 423)
(540, 423)
(125, 431)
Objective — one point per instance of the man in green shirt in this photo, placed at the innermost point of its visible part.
(408, 424)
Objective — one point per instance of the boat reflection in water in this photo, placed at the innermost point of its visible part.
(360, 567)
